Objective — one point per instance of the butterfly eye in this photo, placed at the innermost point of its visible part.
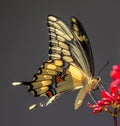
(98, 78)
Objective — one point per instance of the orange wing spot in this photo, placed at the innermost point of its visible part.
(50, 94)
(58, 79)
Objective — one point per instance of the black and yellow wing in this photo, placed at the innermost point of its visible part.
(70, 63)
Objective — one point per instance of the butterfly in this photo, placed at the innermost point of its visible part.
(70, 65)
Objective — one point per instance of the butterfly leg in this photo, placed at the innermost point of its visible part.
(93, 97)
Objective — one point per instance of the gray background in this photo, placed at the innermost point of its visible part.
(24, 47)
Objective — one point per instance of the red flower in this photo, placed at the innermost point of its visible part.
(115, 73)
(110, 97)
(115, 84)
(96, 107)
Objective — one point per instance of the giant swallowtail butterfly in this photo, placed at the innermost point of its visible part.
(70, 65)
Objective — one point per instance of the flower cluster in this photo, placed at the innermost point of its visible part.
(111, 97)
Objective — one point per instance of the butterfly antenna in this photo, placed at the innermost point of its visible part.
(103, 68)
(100, 86)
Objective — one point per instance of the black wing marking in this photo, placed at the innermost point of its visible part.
(81, 34)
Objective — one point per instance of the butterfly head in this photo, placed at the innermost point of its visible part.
(93, 83)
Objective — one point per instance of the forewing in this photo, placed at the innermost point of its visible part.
(65, 45)
(80, 33)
